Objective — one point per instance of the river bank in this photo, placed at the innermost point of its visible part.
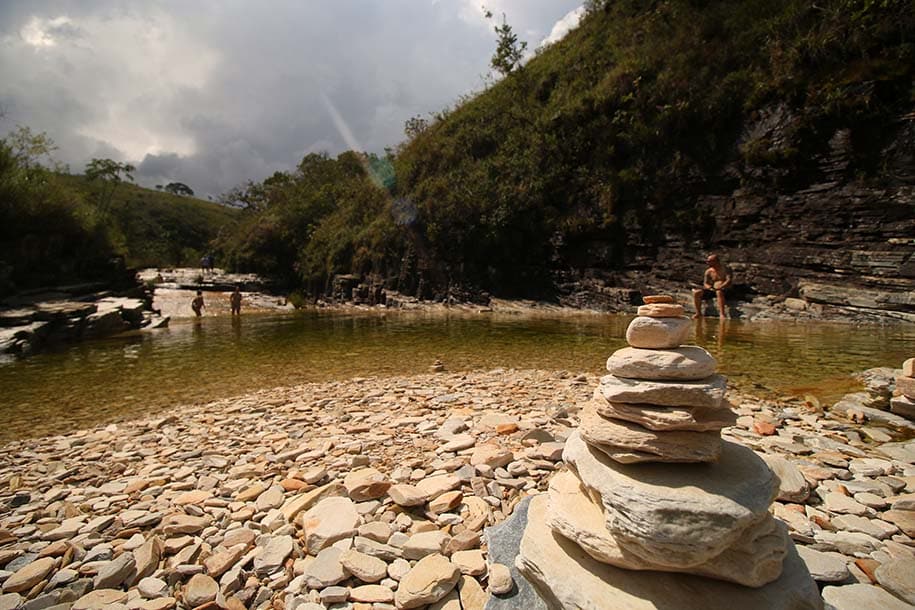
(205, 505)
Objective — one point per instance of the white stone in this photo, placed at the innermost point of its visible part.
(657, 333)
(687, 362)
(329, 520)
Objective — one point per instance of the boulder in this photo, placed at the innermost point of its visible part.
(755, 559)
(567, 577)
(677, 515)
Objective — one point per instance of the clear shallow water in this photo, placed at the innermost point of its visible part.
(198, 361)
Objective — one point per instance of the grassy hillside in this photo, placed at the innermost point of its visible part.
(154, 228)
(643, 108)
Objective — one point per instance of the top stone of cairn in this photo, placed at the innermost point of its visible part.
(659, 325)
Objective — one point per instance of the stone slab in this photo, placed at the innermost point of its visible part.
(567, 577)
(667, 418)
(754, 560)
(707, 393)
(504, 542)
(622, 438)
(688, 362)
(677, 515)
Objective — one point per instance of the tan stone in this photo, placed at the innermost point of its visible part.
(471, 593)
(430, 580)
(371, 594)
(661, 310)
(906, 385)
(447, 501)
(99, 599)
(200, 589)
(366, 484)
(329, 520)
(666, 418)
(657, 298)
(620, 440)
(406, 495)
(754, 560)
(908, 368)
(302, 502)
(708, 393)
(657, 333)
(570, 578)
(433, 487)
(688, 362)
(29, 575)
(197, 496)
(490, 454)
(364, 567)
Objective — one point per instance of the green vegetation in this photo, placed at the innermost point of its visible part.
(57, 228)
(156, 229)
(48, 232)
(632, 115)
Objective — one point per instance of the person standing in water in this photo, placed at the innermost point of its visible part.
(715, 281)
(197, 304)
(235, 301)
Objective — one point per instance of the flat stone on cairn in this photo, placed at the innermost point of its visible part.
(654, 510)
(904, 403)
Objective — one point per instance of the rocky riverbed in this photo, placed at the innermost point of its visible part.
(373, 493)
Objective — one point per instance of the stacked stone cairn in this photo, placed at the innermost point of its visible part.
(904, 401)
(655, 510)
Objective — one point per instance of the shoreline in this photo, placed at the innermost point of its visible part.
(211, 490)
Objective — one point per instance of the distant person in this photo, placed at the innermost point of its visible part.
(716, 280)
(197, 304)
(235, 301)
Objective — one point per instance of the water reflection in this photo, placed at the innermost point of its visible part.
(203, 359)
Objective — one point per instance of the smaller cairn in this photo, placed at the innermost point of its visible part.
(904, 403)
(662, 402)
(437, 367)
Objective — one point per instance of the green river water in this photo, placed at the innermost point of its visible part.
(200, 360)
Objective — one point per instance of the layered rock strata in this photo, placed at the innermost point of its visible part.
(655, 511)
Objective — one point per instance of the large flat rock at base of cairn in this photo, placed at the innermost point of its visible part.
(623, 440)
(503, 542)
(568, 578)
(667, 418)
(755, 560)
(657, 333)
(687, 362)
(677, 515)
(708, 392)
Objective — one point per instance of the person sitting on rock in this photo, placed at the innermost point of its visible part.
(716, 280)
(197, 304)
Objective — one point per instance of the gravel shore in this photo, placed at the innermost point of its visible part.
(373, 493)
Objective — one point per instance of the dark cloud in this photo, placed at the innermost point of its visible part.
(212, 93)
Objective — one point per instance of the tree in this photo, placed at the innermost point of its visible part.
(108, 173)
(509, 50)
(178, 188)
(32, 150)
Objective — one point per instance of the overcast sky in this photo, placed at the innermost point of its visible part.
(215, 92)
